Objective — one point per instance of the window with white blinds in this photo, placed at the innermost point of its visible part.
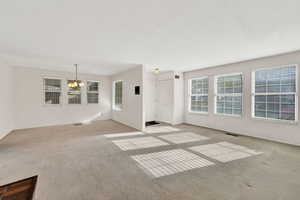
(275, 93)
(228, 97)
(118, 95)
(52, 91)
(92, 92)
(199, 95)
(74, 94)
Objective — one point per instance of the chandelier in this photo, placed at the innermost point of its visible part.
(76, 84)
(156, 70)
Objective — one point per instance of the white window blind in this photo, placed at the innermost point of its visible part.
(118, 95)
(228, 98)
(74, 95)
(92, 92)
(52, 91)
(275, 93)
(199, 95)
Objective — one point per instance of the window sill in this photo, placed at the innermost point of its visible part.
(198, 113)
(227, 115)
(52, 105)
(275, 121)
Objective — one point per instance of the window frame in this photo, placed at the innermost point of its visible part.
(61, 99)
(190, 95)
(93, 92)
(113, 97)
(216, 94)
(67, 94)
(253, 94)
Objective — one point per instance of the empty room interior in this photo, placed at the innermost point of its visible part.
(149, 100)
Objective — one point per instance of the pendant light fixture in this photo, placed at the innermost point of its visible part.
(76, 84)
(156, 70)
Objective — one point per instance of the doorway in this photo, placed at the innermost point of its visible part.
(165, 103)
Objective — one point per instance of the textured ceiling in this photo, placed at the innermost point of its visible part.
(105, 37)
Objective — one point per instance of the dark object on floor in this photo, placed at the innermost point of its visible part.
(151, 123)
(20, 190)
(232, 134)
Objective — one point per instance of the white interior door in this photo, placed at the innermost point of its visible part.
(165, 101)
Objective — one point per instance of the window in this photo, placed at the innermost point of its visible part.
(274, 93)
(118, 95)
(228, 97)
(199, 95)
(92, 92)
(74, 95)
(52, 91)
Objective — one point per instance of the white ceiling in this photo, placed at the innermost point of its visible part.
(181, 35)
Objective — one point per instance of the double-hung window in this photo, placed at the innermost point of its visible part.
(74, 95)
(199, 95)
(229, 94)
(52, 91)
(274, 93)
(92, 92)
(117, 95)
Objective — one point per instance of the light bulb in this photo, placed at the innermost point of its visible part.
(81, 84)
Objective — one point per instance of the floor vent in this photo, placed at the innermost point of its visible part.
(151, 123)
(232, 134)
(78, 124)
(20, 190)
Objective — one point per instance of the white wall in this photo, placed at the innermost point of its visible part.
(133, 113)
(178, 99)
(6, 100)
(245, 125)
(30, 108)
